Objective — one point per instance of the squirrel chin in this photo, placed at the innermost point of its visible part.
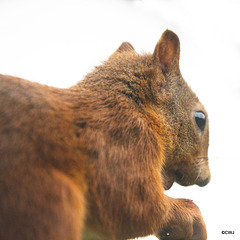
(168, 182)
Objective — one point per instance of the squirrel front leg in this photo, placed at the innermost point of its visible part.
(184, 222)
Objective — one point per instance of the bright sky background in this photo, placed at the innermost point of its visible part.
(56, 42)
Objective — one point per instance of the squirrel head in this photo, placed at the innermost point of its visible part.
(186, 154)
(152, 86)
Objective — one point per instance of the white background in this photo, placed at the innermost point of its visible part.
(56, 42)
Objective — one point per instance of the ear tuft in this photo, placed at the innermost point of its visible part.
(125, 47)
(167, 50)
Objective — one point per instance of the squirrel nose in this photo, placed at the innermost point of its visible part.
(203, 182)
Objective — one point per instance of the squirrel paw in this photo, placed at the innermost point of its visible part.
(177, 232)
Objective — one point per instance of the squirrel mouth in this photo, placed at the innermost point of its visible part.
(170, 177)
(180, 177)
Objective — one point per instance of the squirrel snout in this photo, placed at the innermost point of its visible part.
(205, 176)
(203, 182)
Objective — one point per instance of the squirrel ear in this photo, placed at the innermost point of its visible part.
(125, 47)
(167, 50)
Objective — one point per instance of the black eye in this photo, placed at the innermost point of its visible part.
(200, 119)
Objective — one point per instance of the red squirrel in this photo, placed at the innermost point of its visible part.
(99, 155)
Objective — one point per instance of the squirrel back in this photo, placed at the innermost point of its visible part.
(112, 144)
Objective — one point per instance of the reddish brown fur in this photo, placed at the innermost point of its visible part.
(100, 153)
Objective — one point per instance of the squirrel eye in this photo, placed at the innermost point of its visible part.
(200, 119)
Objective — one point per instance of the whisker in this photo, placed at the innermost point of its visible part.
(200, 161)
(224, 158)
(199, 173)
